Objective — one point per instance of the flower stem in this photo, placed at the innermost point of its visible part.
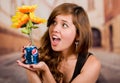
(29, 27)
(30, 37)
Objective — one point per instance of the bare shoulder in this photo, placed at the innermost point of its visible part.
(93, 60)
(92, 63)
(90, 71)
(92, 68)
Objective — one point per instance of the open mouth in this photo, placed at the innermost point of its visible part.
(55, 40)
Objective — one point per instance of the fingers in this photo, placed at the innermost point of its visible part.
(23, 55)
(23, 60)
(26, 66)
(22, 64)
(40, 66)
(36, 66)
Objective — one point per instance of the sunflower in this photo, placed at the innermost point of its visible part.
(25, 19)
(27, 9)
(36, 19)
(24, 16)
(19, 19)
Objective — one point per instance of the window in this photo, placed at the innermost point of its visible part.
(91, 5)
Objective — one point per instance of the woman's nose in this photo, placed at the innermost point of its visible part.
(56, 28)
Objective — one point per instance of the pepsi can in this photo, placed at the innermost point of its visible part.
(31, 55)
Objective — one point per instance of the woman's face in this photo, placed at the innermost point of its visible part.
(62, 33)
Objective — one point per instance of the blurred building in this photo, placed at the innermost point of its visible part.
(103, 15)
(95, 11)
(111, 33)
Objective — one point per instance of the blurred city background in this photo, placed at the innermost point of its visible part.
(104, 16)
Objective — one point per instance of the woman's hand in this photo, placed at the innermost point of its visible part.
(31, 71)
(41, 66)
(33, 68)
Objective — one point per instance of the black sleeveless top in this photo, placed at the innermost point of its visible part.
(82, 57)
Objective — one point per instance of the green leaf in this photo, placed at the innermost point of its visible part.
(34, 27)
(25, 31)
(30, 23)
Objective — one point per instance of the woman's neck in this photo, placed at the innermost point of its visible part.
(68, 54)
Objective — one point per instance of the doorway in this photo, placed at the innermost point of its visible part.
(111, 37)
(96, 37)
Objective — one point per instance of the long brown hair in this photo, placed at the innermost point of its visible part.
(80, 20)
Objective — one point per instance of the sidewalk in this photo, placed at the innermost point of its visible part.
(110, 65)
(10, 72)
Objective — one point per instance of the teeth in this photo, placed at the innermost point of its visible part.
(55, 38)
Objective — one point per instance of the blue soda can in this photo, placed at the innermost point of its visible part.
(31, 55)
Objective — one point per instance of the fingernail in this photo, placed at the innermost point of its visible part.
(23, 50)
(16, 61)
(31, 66)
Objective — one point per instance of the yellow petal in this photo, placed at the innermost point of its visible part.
(27, 9)
(15, 25)
(36, 19)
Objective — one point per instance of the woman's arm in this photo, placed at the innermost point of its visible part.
(31, 70)
(46, 74)
(89, 72)
(33, 77)
(48, 77)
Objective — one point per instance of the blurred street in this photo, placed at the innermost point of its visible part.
(11, 73)
(110, 72)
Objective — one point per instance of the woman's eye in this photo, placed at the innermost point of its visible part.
(65, 25)
(54, 23)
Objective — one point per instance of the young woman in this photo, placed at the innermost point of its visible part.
(64, 55)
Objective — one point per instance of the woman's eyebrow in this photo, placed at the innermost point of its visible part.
(66, 21)
(70, 23)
